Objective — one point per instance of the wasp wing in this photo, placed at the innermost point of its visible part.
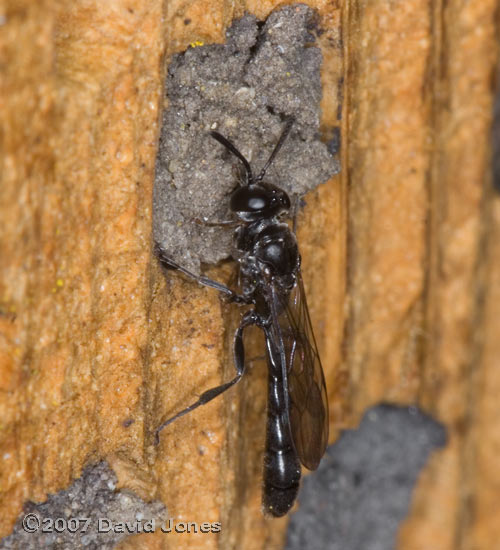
(307, 398)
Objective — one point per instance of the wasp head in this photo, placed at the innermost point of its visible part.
(259, 201)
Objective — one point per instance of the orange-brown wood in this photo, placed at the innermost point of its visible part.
(400, 254)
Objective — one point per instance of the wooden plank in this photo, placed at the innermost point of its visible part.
(400, 259)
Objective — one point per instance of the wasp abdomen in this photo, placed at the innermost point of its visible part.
(281, 464)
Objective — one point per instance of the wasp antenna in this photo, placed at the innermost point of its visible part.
(284, 135)
(230, 147)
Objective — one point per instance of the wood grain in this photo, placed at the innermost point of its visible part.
(401, 262)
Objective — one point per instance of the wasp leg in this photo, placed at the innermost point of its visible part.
(167, 263)
(250, 318)
(222, 223)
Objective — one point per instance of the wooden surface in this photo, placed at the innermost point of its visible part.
(401, 261)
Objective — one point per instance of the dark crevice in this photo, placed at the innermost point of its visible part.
(495, 137)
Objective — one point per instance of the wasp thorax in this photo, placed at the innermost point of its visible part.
(259, 200)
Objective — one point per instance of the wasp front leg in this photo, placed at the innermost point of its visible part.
(168, 263)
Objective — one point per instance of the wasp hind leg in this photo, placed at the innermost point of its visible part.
(250, 318)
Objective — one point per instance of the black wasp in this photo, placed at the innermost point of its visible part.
(269, 262)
